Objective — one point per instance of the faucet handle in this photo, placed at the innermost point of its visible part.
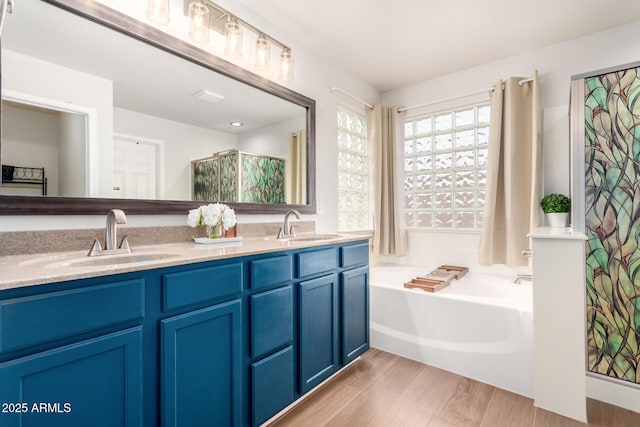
(292, 231)
(96, 248)
(124, 243)
(280, 233)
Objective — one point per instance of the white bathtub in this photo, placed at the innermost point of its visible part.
(480, 327)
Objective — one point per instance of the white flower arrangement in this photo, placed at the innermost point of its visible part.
(214, 215)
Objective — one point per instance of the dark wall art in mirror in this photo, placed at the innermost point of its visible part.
(102, 111)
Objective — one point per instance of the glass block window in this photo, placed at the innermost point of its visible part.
(445, 168)
(353, 171)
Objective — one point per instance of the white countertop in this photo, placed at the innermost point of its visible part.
(36, 269)
(566, 233)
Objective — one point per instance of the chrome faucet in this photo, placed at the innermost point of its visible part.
(520, 277)
(287, 230)
(115, 216)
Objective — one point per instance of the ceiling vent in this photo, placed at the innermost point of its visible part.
(208, 97)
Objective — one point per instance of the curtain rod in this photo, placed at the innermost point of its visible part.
(400, 110)
(366, 104)
(491, 89)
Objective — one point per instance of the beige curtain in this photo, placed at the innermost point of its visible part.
(296, 169)
(384, 127)
(513, 173)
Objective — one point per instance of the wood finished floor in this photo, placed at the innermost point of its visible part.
(387, 390)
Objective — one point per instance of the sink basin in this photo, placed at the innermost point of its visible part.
(75, 260)
(119, 259)
(312, 238)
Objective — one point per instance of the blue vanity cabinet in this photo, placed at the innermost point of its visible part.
(354, 300)
(354, 306)
(228, 342)
(66, 361)
(318, 330)
(271, 337)
(201, 374)
(94, 382)
(201, 345)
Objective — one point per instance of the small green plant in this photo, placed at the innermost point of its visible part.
(554, 203)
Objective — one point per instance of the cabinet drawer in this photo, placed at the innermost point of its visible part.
(38, 319)
(310, 263)
(353, 255)
(270, 271)
(201, 285)
(271, 385)
(271, 320)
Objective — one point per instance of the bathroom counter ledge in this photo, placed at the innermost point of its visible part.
(36, 269)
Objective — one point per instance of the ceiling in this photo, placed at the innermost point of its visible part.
(394, 43)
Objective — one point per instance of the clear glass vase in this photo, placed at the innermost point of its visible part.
(215, 231)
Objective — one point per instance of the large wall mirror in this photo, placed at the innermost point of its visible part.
(101, 111)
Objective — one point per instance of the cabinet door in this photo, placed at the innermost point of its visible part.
(96, 382)
(354, 296)
(201, 375)
(318, 330)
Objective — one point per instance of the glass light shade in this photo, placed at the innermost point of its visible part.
(198, 22)
(233, 39)
(286, 65)
(158, 11)
(263, 54)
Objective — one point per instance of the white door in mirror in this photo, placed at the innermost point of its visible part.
(134, 169)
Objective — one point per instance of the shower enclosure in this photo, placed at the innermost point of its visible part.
(605, 128)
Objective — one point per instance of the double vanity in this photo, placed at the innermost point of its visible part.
(179, 334)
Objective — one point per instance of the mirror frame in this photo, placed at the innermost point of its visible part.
(103, 15)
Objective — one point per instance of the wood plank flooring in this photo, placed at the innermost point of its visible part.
(387, 390)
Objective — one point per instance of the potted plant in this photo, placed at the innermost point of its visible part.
(557, 207)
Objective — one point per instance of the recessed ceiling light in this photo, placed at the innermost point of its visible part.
(236, 124)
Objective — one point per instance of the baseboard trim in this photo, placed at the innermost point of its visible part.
(613, 392)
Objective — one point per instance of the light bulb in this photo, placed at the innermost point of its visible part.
(233, 39)
(198, 22)
(263, 54)
(158, 11)
(286, 65)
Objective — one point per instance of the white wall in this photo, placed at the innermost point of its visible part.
(72, 155)
(30, 139)
(270, 140)
(51, 82)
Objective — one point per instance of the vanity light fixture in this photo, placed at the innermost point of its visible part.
(158, 11)
(230, 26)
(232, 39)
(286, 65)
(263, 54)
(198, 22)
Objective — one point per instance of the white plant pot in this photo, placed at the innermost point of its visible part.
(558, 219)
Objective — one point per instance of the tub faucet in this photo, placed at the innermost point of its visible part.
(520, 277)
(287, 230)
